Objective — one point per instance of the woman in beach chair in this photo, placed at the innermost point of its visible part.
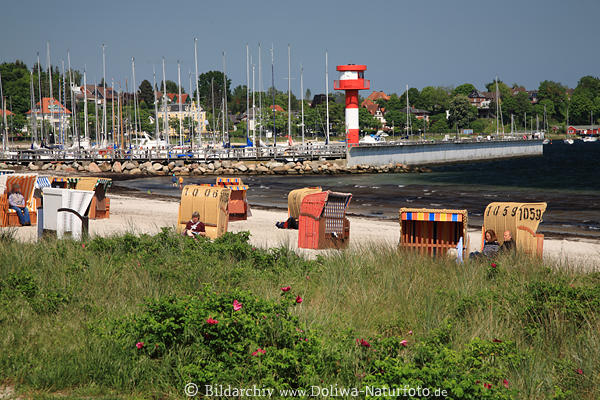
(16, 201)
(195, 227)
(490, 248)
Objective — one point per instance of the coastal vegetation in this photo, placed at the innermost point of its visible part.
(142, 316)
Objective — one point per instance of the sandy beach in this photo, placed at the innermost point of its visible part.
(142, 215)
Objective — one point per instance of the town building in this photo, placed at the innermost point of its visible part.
(479, 100)
(51, 111)
(419, 114)
(189, 112)
(583, 130)
(370, 103)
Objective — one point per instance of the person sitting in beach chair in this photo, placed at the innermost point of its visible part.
(508, 246)
(16, 201)
(290, 223)
(490, 248)
(195, 227)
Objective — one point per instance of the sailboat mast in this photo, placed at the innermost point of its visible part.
(408, 131)
(120, 111)
(289, 110)
(134, 88)
(155, 104)
(247, 93)
(189, 113)
(50, 82)
(512, 121)
(198, 112)
(225, 115)
(42, 137)
(62, 100)
(165, 122)
(104, 132)
(327, 93)
(260, 90)
(497, 105)
(302, 99)
(273, 90)
(3, 105)
(214, 127)
(179, 101)
(32, 100)
(253, 110)
(96, 111)
(85, 107)
(112, 103)
(73, 100)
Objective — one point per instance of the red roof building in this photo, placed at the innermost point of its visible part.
(50, 106)
(277, 107)
(173, 97)
(8, 113)
(370, 103)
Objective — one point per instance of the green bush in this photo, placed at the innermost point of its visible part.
(479, 370)
(262, 342)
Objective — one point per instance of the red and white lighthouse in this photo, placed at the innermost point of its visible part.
(352, 79)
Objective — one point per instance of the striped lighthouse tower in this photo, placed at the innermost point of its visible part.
(352, 79)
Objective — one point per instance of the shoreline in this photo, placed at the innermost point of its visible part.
(143, 215)
(136, 193)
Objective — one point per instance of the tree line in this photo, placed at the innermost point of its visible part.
(449, 108)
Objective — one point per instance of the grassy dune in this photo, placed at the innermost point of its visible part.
(72, 312)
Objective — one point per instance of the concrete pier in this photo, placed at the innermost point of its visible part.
(442, 152)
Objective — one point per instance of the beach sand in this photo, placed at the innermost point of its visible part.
(143, 215)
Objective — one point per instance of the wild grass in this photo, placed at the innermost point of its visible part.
(56, 295)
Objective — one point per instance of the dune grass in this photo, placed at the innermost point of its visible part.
(56, 296)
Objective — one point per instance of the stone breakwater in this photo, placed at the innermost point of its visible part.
(181, 167)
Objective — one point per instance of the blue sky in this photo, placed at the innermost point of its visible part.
(415, 43)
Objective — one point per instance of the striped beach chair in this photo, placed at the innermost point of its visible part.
(433, 231)
(27, 184)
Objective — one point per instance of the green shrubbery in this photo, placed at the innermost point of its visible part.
(141, 316)
(229, 338)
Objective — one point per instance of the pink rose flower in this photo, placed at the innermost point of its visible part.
(259, 351)
(404, 342)
(298, 299)
(505, 383)
(139, 345)
(211, 321)
(237, 306)
(286, 289)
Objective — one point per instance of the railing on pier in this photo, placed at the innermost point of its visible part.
(297, 152)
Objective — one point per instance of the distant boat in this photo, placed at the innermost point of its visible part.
(590, 139)
(545, 141)
(568, 141)
(371, 139)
